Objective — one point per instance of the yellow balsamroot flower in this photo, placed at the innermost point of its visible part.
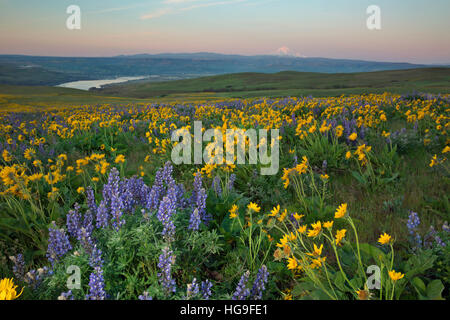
(254, 207)
(353, 136)
(120, 159)
(348, 155)
(340, 234)
(233, 211)
(29, 153)
(316, 228)
(317, 251)
(283, 215)
(35, 177)
(317, 263)
(6, 156)
(37, 163)
(80, 190)
(292, 263)
(301, 229)
(285, 177)
(292, 237)
(395, 276)
(446, 149)
(298, 216)
(341, 211)
(384, 238)
(328, 224)
(339, 131)
(274, 211)
(325, 176)
(283, 241)
(52, 194)
(8, 290)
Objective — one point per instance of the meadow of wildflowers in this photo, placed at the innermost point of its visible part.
(363, 185)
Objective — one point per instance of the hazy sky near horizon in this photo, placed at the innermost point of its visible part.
(414, 31)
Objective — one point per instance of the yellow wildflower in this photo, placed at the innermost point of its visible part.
(8, 290)
(341, 211)
(384, 238)
(395, 276)
(233, 211)
(254, 207)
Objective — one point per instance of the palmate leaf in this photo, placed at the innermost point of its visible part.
(435, 289)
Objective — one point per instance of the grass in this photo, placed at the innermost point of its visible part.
(239, 85)
(289, 83)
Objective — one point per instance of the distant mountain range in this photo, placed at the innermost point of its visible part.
(40, 70)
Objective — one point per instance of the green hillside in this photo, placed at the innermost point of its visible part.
(289, 83)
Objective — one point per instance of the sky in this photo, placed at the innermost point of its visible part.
(413, 31)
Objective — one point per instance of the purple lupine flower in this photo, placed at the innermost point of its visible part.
(166, 260)
(166, 209)
(445, 227)
(102, 215)
(156, 192)
(34, 277)
(241, 292)
(145, 296)
(182, 202)
(439, 241)
(194, 221)
(231, 180)
(205, 289)
(112, 194)
(96, 286)
(198, 185)
(90, 197)
(96, 280)
(216, 186)
(73, 221)
(260, 283)
(413, 225)
(433, 235)
(66, 296)
(58, 244)
(116, 212)
(192, 289)
(18, 266)
(167, 174)
(95, 259)
(84, 236)
(201, 205)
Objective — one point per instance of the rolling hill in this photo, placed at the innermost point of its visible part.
(289, 83)
(37, 70)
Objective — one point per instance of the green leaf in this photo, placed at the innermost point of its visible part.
(420, 287)
(434, 290)
(378, 255)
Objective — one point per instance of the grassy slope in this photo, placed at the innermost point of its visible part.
(36, 76)
(433, 80)
(40, 96)
(241, 85)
